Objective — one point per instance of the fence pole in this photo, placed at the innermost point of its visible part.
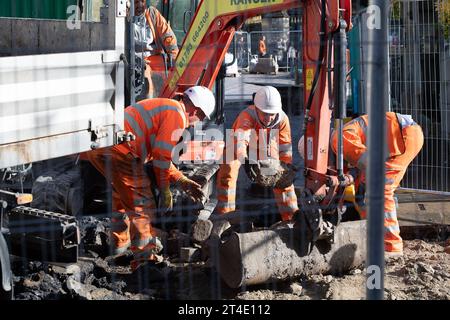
(377, 86)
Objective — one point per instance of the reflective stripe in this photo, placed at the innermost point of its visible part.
(119, 216)
(286, 153)
(226, 192)
(291, 194)
(141, 242)
(144, 149)
(162, 145)
(145, 254)
(168, 34)
(390, 215)
(116, 251)
(153, 15)
(153, 112)
(161, 164)
(143, 113)
(288, 208)
(389, 181)
(252, 113)
(143, 202)
(405, 120)
(285, 147)
(392, 229)
(362, 162)
(362, 124)
(152, 140)
(118, 224)
(226, 205)
(134, 125)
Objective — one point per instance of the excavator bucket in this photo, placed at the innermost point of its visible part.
(271, 255)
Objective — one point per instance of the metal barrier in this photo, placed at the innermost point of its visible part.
(283, 46)
(420, 86)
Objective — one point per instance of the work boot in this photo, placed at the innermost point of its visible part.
(121, 259)
(149, 253)
(152, 271)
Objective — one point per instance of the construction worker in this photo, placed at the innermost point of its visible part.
(157, 125)
(262, 49)
(155, 45)
(261, 122)
(404, 142)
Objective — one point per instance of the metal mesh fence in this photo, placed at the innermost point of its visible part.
(282, 47)
(420, 86)
(63, 249)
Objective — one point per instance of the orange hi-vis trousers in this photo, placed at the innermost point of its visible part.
(277, 140)
(133, 204)
(404, 142)
(395, 170)
(285, 198)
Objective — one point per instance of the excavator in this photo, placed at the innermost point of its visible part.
(317, 241)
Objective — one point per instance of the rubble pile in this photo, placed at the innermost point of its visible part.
(422, 273)
(91, 278)
(188, 273)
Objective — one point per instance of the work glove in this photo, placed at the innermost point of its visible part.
(192, 188)
(165, 200)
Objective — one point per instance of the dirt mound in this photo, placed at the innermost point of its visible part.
(422, 273)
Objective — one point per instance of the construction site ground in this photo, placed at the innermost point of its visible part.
(423, 272)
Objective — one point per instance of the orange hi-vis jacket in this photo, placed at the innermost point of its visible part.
(163, 34)
(253, 140)
(355, 133)
(158, 125)
(404, 142)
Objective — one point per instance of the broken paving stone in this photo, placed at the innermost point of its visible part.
(30, 283)
(219, 227)
(90, 292)
(296, 289)
(190, 254)
(426, 278)
(79, 289)
(104, 294)
(201, 230)
(355, 272)
(423, 267)
(69, 269)
(443, 274)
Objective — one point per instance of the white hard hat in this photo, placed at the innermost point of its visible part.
(301, 147)
(268, 100)
(202, 98)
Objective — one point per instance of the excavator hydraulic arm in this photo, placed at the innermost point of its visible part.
(211, 33)
(324, 25)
